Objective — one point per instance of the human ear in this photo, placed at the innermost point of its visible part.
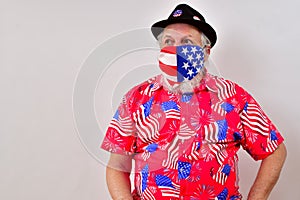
(206, 52)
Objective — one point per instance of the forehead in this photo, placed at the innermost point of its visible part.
(180, 29)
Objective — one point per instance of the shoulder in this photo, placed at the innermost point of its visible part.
(146, 87)
(221, 81)
(227, 89)
(143, 91)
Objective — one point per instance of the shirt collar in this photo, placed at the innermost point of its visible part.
(208, 82)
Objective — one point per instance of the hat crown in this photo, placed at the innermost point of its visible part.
(184, 11)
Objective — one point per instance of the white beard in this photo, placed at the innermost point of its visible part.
(187, 86)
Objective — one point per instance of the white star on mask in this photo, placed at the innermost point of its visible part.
(184, 50)
(185, 65)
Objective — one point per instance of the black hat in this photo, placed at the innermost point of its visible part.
(185, 14)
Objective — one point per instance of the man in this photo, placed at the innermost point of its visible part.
(183, 128)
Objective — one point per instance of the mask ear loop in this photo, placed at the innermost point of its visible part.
(209, 64)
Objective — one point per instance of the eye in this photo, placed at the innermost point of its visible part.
(168, 42)
(187, 41)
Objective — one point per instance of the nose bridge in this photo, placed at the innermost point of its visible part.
(177, 43)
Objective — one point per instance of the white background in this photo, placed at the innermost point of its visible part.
(43, 45)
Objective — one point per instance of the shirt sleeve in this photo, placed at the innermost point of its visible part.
(261, 137)
(120, 135)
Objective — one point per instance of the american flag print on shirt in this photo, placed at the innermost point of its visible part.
(185, 145)
(147, 125)
(181, 63)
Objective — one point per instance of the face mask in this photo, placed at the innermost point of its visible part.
(181, 63)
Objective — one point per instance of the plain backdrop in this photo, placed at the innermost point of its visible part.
(46, 45)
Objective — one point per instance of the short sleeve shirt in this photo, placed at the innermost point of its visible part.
(185, 145)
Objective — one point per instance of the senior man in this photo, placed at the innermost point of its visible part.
(183, 128)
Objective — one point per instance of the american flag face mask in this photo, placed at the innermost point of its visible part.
(181, 63)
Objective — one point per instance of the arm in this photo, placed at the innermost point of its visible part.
(268, 174)
(117, 177)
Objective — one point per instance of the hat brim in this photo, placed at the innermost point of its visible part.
(210, 33)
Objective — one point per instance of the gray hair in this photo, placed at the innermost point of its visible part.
(205, 40)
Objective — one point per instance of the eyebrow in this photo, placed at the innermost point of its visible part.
(167, 36)
(186, 36)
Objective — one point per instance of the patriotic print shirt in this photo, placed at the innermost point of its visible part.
(185, 145)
